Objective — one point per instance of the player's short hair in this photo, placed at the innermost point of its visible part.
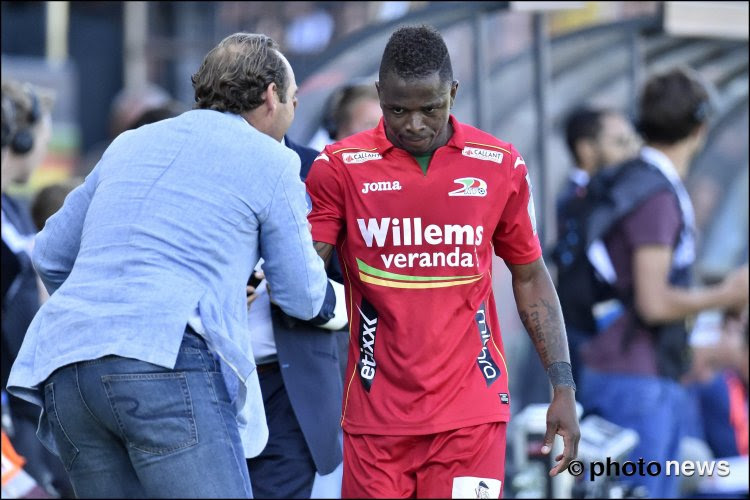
(584, 122)
(414, 52)
(235, 73)
(672, 106)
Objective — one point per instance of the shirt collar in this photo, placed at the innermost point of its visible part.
(662, 162)
(456, 140)
(579, 176)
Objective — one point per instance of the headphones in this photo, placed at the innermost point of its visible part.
(9, 121)
(23, 141)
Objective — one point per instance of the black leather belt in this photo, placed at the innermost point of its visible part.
(267, 367)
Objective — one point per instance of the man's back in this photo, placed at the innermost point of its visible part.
(140, 243)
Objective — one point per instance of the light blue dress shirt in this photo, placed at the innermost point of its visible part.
(172, 220)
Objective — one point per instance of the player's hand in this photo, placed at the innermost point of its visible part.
(562, 419)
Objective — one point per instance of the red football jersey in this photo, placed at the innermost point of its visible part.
(425, 352)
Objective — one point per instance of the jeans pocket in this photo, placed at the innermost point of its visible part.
(154, 411)
(65, 447)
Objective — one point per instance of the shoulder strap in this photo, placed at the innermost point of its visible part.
(617, 191)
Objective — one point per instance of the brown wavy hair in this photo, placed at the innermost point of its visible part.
(673, 105)
(235, 73)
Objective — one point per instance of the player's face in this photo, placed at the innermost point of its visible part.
(416, 111)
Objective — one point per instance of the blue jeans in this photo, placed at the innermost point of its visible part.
(652, 406)
(130, 429)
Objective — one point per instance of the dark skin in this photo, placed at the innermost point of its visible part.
(416, 116)
(416, 111)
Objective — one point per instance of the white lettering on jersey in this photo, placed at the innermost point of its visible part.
(381, 186)
(408, 231)
(519, 161)
(378, 230)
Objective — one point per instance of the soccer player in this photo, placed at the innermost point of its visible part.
(415, 207)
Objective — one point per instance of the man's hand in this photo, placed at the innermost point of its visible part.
(562, 419)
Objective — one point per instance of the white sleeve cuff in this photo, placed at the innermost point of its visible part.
(339, 319)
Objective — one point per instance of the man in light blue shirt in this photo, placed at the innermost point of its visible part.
(141, 359)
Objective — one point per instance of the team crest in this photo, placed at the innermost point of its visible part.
(470, 186)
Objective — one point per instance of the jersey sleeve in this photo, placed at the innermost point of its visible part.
(515, 238)
(327, 199)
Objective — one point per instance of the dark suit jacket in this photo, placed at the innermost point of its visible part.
(20, 303)
(308, 357)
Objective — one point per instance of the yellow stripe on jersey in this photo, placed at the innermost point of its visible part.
(351, 379)
(401, 284)
(507, 375)
(488, 145)
(374, 271)
(354, 149)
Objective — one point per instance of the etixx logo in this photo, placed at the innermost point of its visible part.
(470, 186)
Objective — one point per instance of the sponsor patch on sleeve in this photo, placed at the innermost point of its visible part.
(483, 154)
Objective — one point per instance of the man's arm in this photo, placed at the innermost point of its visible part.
(656, 301)
(286, 248)
(539, 309)
(57, 244)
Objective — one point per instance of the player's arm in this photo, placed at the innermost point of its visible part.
(539, 309)
(325, 250)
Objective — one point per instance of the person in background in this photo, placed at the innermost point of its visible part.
(27, 149)
(49, 199)
(354, 108)
(718, 380)
(596, 138)
(349, 109)
(141, 359)
(130, 108)
(633, 366)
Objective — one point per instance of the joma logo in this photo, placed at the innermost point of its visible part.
(381, 186)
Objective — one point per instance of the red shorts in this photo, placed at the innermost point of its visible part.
(462, 463)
